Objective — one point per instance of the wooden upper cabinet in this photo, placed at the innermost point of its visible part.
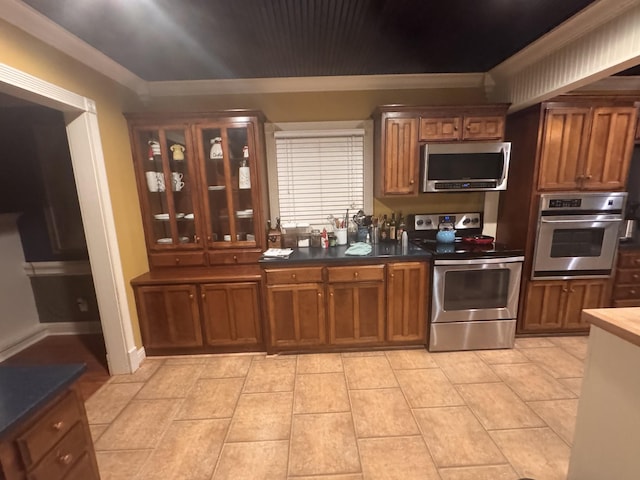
(440, 129)
(586, 148)
(483, 128)
(401, 152)
(462, 127)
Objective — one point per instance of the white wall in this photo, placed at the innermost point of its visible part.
(18, 315)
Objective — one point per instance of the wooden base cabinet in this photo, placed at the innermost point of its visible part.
(407, 294)
(626, 288)
(556, 305)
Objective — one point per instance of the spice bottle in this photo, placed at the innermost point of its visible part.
(244, 174)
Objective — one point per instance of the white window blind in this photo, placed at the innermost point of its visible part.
(320, 173)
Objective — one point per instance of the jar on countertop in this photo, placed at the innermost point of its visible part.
(316, 238)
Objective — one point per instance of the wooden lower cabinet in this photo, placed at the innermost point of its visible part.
(231, 313)
(556, 305)
(356, 313)
(407, 294)
(626, 287)
(169, 316)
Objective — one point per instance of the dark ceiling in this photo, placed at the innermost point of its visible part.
(225, 39)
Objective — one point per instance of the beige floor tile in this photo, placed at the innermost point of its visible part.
(491, 472)
(348, 476)
(211, 398)
(396, 458)
(96, 431)
(381, 413)
(170, 381)
(321, 393)
(556, 361)
(186, 360)
(428, 388)
(367, 353)
(410, 359)
(121, 465)
(536, 452)
(271, 375)
(322, 444)
(225, 367)
(145, 372)
(319, 363)
(368, 372)
(456, 438)
(498, 357)
(573, 384)
(496, 406)
(105, 405)
(533, 342)
(560, 415)
(261, 416)
(253, 461)
(188, 451)
(531, 382)
(140, 425)
(464, 367)
(576, 346)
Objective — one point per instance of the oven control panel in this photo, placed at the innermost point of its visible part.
(460, 221)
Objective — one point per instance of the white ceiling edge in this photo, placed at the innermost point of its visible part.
(617, 84)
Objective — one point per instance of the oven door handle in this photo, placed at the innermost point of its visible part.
(599, 220)
(478, 261)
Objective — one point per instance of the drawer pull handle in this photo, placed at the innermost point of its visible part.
(293, 275)
(58, 426)
(65, 459)
(356, 274)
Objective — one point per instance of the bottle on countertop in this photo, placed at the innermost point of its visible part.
(392, 227)
(274, 235)
(405, 242)
(244, 174)
(384, 229)
(401, 228)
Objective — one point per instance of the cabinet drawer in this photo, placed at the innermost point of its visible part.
(294, 275)
(624, 292)
(177, 259)
(358, 274)
(233, 258)
(628, 276)
(54, 425)
(629, 260)
(626, 303)
(62, 457)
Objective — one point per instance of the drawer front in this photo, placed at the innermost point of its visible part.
(62, 457)
(84, 469)
(185, 259)
(233, 258)
(626, 276)
(629, 260)
(623, 292)
(356, 274)
(54, 425)
(626, 303)
(285, 276)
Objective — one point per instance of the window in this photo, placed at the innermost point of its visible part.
(319, 169)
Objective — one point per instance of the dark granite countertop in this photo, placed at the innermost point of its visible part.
(337, 255)
(630, 244)
(25, 389)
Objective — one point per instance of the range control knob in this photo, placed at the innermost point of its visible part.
(476, 220)
(428, 221)
(466, 221)
(419, 222)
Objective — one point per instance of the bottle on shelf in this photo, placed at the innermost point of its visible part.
(392, 227)
(244, 174)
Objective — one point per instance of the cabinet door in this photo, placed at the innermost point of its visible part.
(231, 314)
(544, 306)
(229, 178)
(564, 145)
(440, 129)
(407, 293)
(356, 313)
(166, 172)
(169, 316)
(610, 148)
(401, 153)
(296, 315)
(584, 294)
(483, 128)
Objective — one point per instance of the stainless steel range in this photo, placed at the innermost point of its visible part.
(475, 284)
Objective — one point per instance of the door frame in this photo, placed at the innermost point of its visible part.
(90, 175)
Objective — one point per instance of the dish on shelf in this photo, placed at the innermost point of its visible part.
(164, 241)
(248, 213)
(216, 187)
(161, 216)
(189, 216)
(184, 239)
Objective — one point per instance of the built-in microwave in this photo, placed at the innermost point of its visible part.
(465, 166)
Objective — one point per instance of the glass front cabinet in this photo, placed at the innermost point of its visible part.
(199, 186)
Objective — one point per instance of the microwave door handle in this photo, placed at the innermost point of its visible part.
(544, 220)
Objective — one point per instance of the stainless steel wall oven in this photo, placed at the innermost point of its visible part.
(577, 235)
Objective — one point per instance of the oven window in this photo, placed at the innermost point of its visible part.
(577, 242)
(476, 289)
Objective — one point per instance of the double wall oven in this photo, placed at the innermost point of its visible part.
(577, 235)
(475, 287)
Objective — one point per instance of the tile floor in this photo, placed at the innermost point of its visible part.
(404, 414)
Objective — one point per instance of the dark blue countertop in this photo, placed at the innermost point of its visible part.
(337, 255)
(25, 389)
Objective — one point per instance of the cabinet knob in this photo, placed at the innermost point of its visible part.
(411, 182)
(565, 289)
(633, 291)
(293, 275)
(177, 259)
(319, 295)
(571, 290)
(356, 274)
(635, 276)
(331, 294)
(588, 176)
(58, 426)
(196, 239)
(204, 296)
(191, 296)
(65, 459)
(208, 238)
(468, 127)
(235, 258)
(636, 261)
(392, 275)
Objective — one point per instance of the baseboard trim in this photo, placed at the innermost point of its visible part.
(72, 328)
(136, 357)
(20, 344)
